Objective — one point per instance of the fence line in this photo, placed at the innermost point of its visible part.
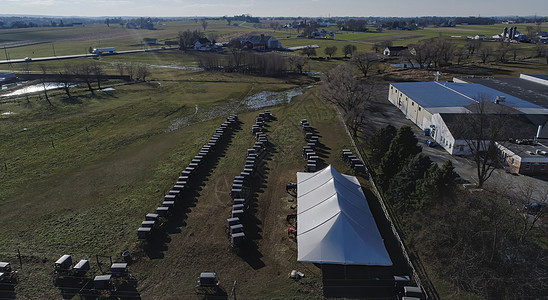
(424, 284)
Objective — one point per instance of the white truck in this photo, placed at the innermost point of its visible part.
(104, 50)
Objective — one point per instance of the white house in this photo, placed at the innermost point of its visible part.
(203, 44)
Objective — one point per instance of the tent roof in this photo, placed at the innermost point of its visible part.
(335, 223)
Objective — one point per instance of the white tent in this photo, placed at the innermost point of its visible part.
(335, 224)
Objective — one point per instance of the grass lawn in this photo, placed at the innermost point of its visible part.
(113, 161)
(79, 176)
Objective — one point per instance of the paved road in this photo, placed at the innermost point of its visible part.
(37, 59)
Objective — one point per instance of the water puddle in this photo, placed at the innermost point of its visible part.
(186, 68)
(35, 88)
(259, 100)
(7, 113)
(267, 98)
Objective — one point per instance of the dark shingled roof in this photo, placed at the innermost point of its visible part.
(512, 126)
(525, 89)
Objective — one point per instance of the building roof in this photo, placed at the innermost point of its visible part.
(528, 90)
(204, 41)
(512, 126)
(536, 76)
(396, 48)
(336, 225)
(527, 151)
(451, 94)
(259, 38)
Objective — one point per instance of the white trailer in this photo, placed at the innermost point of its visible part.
(104, 50)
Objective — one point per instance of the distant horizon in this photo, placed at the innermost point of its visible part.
(262, 17)
(274, 9)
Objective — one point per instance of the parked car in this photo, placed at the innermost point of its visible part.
(28, 59)
(431, 143)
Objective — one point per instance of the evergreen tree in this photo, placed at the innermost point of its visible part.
(380, 143)
(437, 182)
(403, 184)
(402, 148)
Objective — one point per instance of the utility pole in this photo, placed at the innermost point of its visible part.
(52, 46)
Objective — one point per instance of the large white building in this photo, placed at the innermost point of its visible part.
(443, 110)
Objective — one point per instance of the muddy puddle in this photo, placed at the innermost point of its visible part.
(267, 98)
(34, 88)
(186, 68)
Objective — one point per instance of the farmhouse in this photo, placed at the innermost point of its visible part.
(261, 42)
(394, 50)
(445, 111)
(203, 44)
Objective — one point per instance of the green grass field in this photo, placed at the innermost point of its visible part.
(111, 162)
(78, 177)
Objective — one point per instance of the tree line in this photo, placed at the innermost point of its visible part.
(476, 240)
(482, 241)
(92, 74)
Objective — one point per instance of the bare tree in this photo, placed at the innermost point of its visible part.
(43, 81)
(364, 61)
(481, 130)
(349, 49)
(351, 95)
(204, 24)
(420, 53)
(514, 50)
(502, 51)
(131, 69)
(120, 67)
(98, 72)
(330, 51)
(309, 51)
(380, 46)
(65, 77)
(539, 49)
(298, 62)
(532, 204)
(460, 54)
(473, 46)
(441, 51)
(143, 71)
(213, 36)
(485, 53)
(188, 37)
(85, 72)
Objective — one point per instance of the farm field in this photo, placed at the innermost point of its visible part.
(78, 177)
(96, 185)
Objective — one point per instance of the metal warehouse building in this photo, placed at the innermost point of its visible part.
(443, 109)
